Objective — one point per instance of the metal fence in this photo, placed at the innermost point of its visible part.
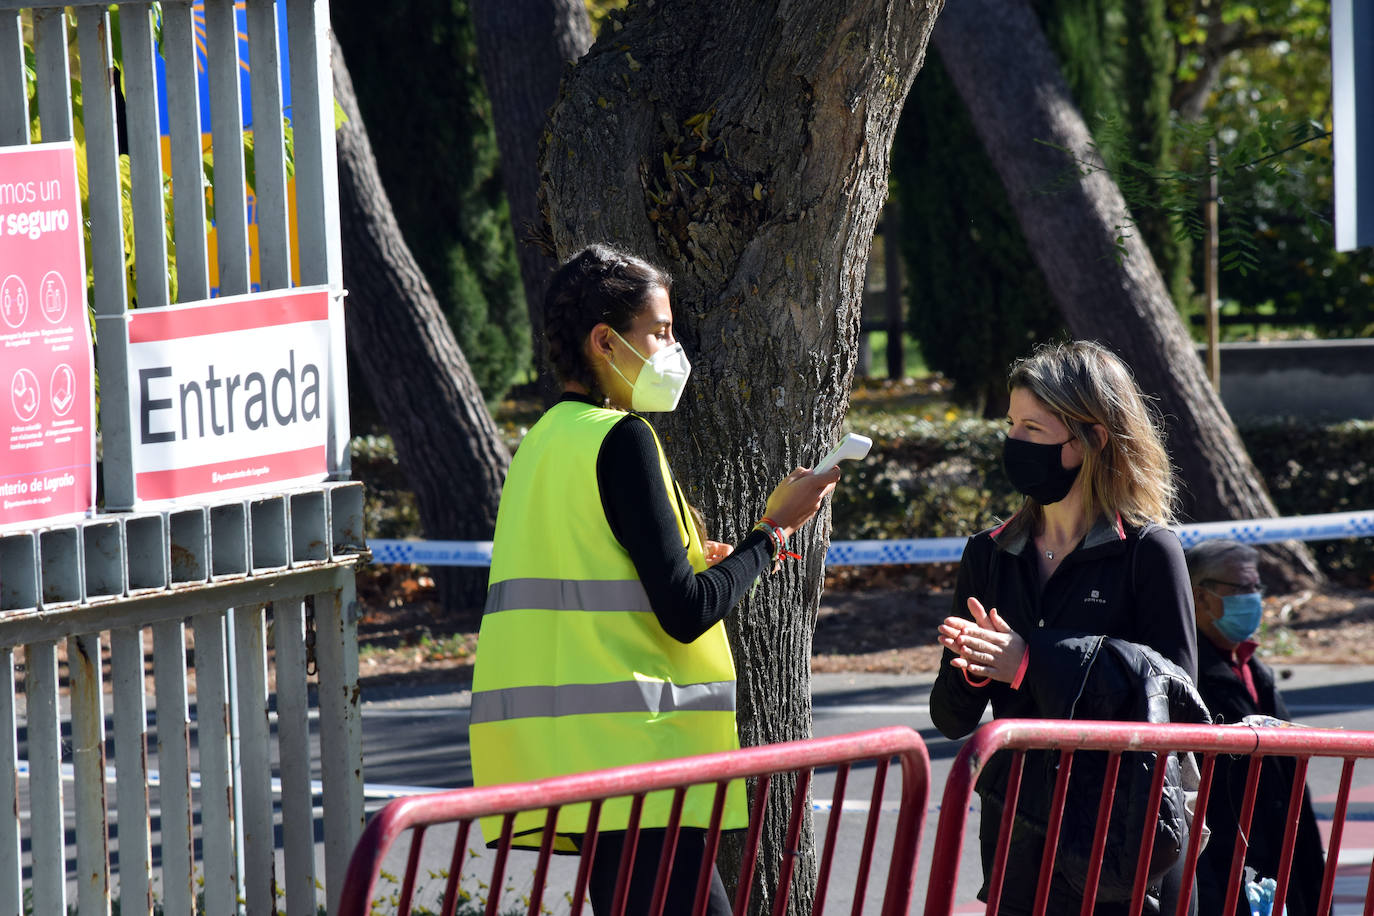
(204, 583)
(412, 819)
(1066, 739)
(256, 591)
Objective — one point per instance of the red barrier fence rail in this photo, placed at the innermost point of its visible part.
(462, 806)
(1017, 736)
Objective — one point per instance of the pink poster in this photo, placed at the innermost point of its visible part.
(47, 405)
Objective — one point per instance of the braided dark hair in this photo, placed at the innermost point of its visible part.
(597, 284)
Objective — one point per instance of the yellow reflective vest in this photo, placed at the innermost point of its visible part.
(574, 672)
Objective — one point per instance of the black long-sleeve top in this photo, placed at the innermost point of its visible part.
(1120, 581)
(642, 518)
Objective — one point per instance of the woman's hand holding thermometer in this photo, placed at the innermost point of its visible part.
(794, 501)
(851, 448)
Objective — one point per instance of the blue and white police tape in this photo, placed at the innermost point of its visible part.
(1327, 527)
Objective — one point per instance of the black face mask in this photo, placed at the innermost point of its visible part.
(1034, 470)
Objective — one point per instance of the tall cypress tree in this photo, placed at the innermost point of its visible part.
(1149, 64)
(420, 93)
(1117, 57)
(976, 298)
(1084, 35)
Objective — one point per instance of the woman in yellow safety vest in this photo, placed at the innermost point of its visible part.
(602, 641)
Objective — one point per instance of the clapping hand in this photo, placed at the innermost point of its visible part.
(984, 646)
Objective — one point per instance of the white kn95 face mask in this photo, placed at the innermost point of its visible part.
(661, 380)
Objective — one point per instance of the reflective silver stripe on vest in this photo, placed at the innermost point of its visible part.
(567, 595)
(653, 697)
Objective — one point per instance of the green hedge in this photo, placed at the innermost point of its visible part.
(923, 478)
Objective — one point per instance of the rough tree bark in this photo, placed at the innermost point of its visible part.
(522, 48)
(420, 381)
(1006, 74)
(745, 147)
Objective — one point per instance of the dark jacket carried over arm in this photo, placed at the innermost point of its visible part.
(1122, 582)
(1108, 679)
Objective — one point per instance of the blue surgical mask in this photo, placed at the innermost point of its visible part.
(1240, 616)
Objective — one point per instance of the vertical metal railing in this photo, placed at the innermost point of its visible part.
(176, 843)
(316, 173)
(127, 651)
(105, 613)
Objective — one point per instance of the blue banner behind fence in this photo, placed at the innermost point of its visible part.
(1327, 527)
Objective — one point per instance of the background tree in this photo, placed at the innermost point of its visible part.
(976, 298)
(1117, 58)
(1207, 34)
(1146, 81)
(523, 46)
(420, 89)
(416, 373)
(960, 239)
(1255, 75)
(1107, 286)
(745, 147)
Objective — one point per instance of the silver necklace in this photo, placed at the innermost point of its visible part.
(1049, 552)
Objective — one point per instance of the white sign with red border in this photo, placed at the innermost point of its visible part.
(47, 405)
(232, 394)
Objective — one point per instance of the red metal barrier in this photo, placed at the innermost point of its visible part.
(463, 806)
(1207, 741)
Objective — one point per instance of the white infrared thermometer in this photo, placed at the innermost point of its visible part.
(851, 448)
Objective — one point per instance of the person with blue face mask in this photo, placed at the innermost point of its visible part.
(1234, 683)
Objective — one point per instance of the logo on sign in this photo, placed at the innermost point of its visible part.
(62, 386)
(24, 395)
(14, 301)
(52, 299)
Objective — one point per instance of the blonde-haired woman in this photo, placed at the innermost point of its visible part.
(1087, 554)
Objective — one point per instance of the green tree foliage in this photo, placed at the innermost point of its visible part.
(977, 299)
(1269, 108)
(1255, 78)
(1117, 57)
(961, 240)
(1086, 37)
(429, 120)
(1149, 59)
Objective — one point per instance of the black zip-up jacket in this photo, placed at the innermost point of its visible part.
(1230, 702)
(1121, 582)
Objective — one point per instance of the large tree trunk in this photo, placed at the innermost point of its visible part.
(1100, 272)
(522, 48)
(745, 147)
(445, 438)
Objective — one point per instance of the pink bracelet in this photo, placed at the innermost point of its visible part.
(971, 682)
(1021, 671)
